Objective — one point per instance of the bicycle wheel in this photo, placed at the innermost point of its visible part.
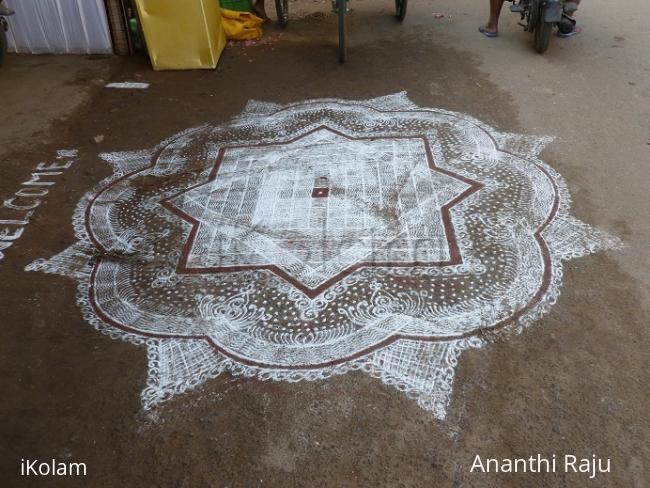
(3, 44)
(341, 6)
(543, 31)
(282, 10)
(400, 9)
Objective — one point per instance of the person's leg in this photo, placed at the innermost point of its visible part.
(573, 29)
(577, 2)
(4, 10)
(492, 26)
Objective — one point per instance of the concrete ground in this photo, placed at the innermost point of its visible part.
(576, 383)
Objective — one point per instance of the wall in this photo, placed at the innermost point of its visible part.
(59, 26)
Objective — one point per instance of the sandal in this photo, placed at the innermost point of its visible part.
(573, 32)
(487, 33)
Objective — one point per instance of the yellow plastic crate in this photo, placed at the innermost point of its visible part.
(182, 35)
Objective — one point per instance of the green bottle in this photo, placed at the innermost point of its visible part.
(138, 46)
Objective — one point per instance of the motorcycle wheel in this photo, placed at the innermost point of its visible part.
(543, 32)
(3, 45)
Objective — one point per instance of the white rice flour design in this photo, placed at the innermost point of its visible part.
(308, 240)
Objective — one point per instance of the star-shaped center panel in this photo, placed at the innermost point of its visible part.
(317, 207)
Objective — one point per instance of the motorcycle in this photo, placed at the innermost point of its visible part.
(4, 13)
(540, 16)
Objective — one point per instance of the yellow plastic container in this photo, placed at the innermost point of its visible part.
(182, 35)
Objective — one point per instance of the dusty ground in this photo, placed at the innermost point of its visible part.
(576, 383)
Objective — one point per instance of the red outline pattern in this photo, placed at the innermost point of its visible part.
(454, 252)
(536, 299)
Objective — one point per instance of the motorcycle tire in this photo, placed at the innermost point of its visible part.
(543, 31)
(3, 45)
